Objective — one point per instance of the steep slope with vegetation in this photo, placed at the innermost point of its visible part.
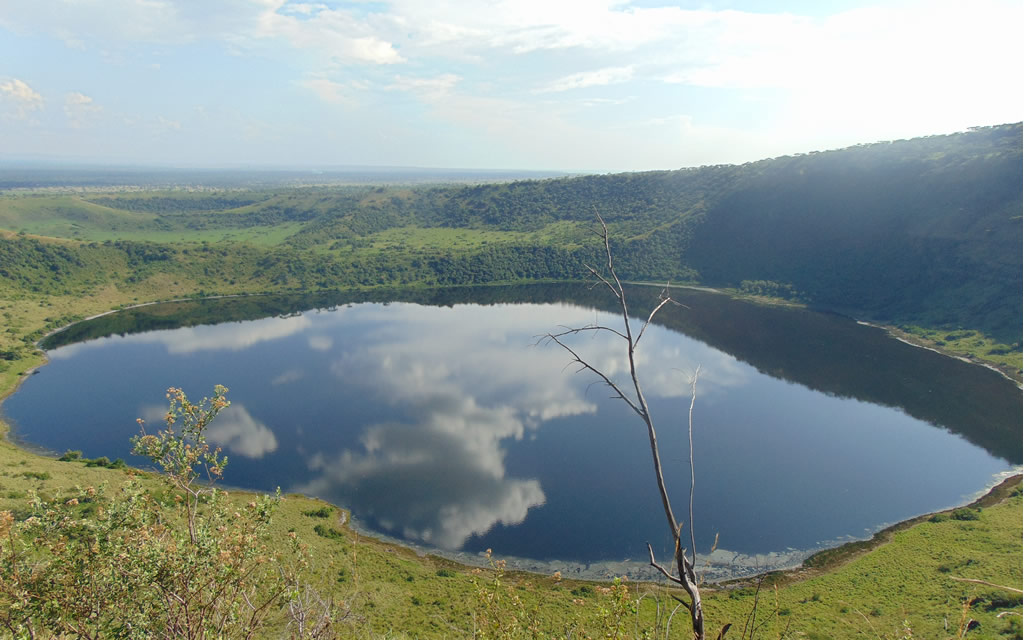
(923, 232)
(926, 231)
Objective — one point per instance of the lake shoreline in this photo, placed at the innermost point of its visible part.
(833, 558)
(607, 572)
(921, 343)
(891, 330)
(1012, 374)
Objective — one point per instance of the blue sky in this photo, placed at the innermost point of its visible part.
(575, 85)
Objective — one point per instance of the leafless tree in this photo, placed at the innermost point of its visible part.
(632, 394)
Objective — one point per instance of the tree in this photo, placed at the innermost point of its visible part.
(191, 564)
(685, 574)
(179, 454)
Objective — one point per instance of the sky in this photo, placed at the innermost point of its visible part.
(565, 85)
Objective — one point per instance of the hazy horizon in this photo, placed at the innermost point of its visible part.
(44, 163)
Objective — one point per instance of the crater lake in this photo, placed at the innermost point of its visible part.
(441, 420)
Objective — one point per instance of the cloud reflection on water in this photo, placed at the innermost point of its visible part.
(234, 430)
(238, 432)
(439, 475)
(230, 336)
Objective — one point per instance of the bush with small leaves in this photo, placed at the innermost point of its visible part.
(124, 564)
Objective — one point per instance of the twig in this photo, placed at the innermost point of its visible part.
(987, 584)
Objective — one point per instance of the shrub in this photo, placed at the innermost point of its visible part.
(196, 566)
(322, 512)
(328, 532)
(964, 514)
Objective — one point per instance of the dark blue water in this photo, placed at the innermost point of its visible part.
(450, 427)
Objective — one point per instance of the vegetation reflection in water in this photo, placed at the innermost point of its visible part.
(439, 422)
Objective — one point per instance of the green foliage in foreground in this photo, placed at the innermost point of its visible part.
(134, 565)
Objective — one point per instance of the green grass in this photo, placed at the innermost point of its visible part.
(72, 217)
(259, 236)
(62, 216)
(910, 577)
(971, 344)
(441, 238)
(447, 239)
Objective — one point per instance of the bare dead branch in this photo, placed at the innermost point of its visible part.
(693, 477)
(752, 615)
(661, 304)
(687, 577)
(660, 568)
(586, 365)
(668, 624)
(594, 272)
(987, 584)
(589, 327)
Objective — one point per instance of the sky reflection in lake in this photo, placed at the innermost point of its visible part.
(451, 427)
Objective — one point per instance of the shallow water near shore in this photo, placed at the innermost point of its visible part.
(438, 419)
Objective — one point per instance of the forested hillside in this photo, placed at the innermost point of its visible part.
(926, 231)
(923, 232)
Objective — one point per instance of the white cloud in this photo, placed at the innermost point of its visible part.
(583, 79)
(432, 88)
(486, 73)
(453, 447)
(452, 456)
(164, 125)
(321, 343)
(79, 109)
(235, 430)
(108, 22)
(229, 336)
(23, 97)
(423, 483)
(526, 26)
(238, 432)
(22, 93)
(327, 90)
(291, 375)
(337, 34)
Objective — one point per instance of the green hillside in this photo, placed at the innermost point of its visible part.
(924, 234)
